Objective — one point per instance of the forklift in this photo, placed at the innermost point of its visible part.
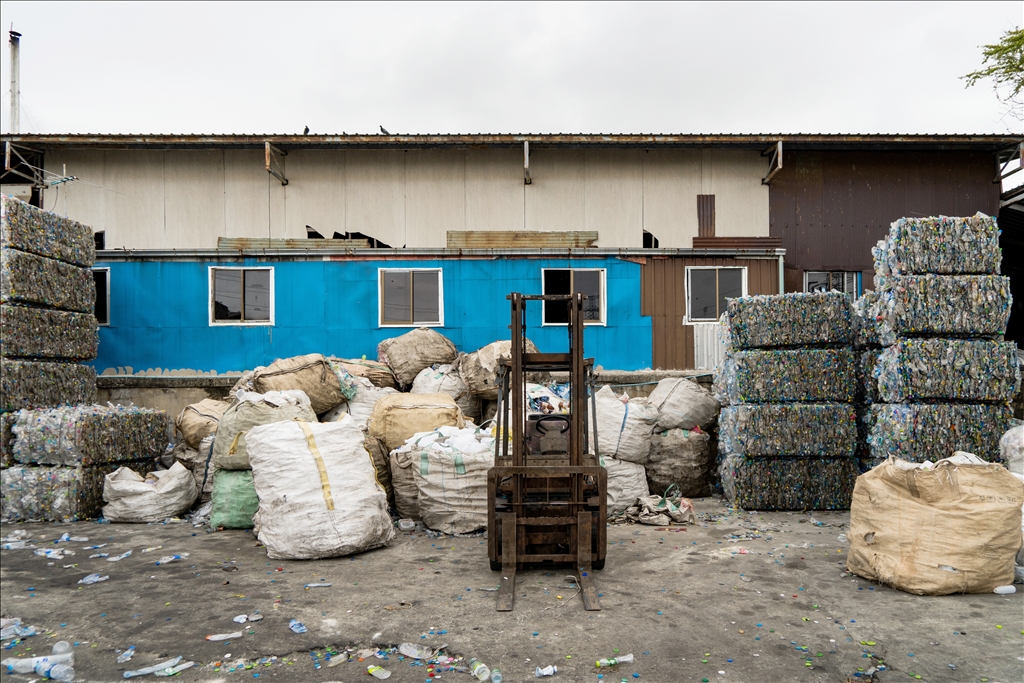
(547, 492)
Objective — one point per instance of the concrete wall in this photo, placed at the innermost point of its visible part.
(159, 313)
(187, 199)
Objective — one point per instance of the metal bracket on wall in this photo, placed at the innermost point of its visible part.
(1004, 158)
(774, 155)
(527, 180)
(15, 163)
(272, 162)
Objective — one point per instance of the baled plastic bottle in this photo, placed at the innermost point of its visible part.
(479, 669)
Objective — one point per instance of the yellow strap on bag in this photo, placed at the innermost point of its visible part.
(325, 485)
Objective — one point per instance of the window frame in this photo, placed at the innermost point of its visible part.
(380, 297)
(687, 319)
(239, 323)
(603, 322)
(859, 286)
(105, 269)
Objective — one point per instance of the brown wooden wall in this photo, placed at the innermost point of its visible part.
(831, 207)
(663, 297)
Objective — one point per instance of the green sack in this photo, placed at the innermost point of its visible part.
(234, 499)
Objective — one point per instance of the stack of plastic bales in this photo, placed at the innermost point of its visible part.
(63, 455)
(787, 433)
(945, 377)
(47, 296)
(867, 345)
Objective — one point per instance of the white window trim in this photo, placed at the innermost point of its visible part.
(603, 322)
(380, 297)
(107, 270)
(239, 323)
(689, 321)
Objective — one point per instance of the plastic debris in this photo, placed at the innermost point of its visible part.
(43, 333)
(126, 655)
(92, 578)
(297, 626)
(27, 228)
(782, 483)
(153, 669)
(28, 384)
(614, 661)
(225, 636)
(416, 651)
(780, 320)
(795, 429)
(549, 670)
(949, 369)
(378, 672)
(53, 494)
(175, 670)
(786, 375)
(918, 432)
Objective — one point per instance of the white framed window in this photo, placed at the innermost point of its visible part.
(708, 287)
(101, 309)
(241, 296)
(590, 281)
(410, 297)
(848, 281)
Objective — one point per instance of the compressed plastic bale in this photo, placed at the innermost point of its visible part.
(864, 422)
(26, 384)
(1011, 449)
(788, 483)
(396, 417)
(623, 426)
(451, 480)
(916, 431)
(479, 369)
(914, 370)
(45, 334)
(317, 491)
(787, 375)
(199, 420)
(27, 228)
(867, 332)
(681, 458)
(683, 404)
(780, 320)
(234, 500)
(627, 481)
(132, 498)
(311, 374)
(445, 379)
(943, 306)
(54, 494)
(250, 410)
(789, 429)
(867, 385)
(28, 279)
(943, 245)
(7, 439)
(408, 354)
(89, 435)
(936, 529)
(379, 374)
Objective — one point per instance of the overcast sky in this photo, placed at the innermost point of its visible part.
(499, 68)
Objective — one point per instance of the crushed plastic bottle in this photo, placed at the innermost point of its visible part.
(174, 670)
(497, 676)
(479, 669)
(1004, 590)
(126, 655)
(56, 672)
(60, 647)
(93, 578)
(152, 669)
(613, 661)
(416, 651)
(225, 636)
(297, 626)
(120, 557)
(17, 545)
(378, 672)
(550, 670)
(167, 559)
(241, 618)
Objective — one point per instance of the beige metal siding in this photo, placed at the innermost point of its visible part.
(495, 193)
(435, 199)
(614, 201)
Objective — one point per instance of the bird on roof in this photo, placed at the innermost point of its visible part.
(305, 131)
(384, 130)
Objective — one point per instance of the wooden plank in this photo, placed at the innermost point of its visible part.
(712, 242)
(507, 587)
(242, 243)
(510, 239)
(587, 587)
(706, 215)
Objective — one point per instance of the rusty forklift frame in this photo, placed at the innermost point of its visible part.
(547, 506)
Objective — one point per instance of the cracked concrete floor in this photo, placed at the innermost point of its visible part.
(738, 597)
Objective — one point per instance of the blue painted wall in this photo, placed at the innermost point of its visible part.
(159, 314)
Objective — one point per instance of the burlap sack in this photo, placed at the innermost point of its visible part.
(311, 374)
(396, 417)
(409, 354)
(199, 420)
(951, 527)
(379, 374)
(479, 370)
(251, 410)
(403, 481)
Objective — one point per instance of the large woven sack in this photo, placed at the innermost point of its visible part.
(682, 404)
(409, 354)
(480, 369)
(381, 467)
(317, 491)
(379, 374)
(311, 374)
(626, 482)
(451, 487)
(200, 420)
(445, 379)
(361, 405)
(396, 417)
(403, 481)
(130, 497)
(933, 529)
(251, 410)
(234, 500)
(679, 458)
(1011, 449)
(623, 426)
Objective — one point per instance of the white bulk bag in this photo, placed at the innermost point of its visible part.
(250, 410)
(627, 481)
(318, 493)
(130, 497)
(682, 404)
(623, 427)
(445, 379)
(451, 480)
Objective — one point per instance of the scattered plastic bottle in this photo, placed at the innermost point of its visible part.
(167, 559)
(550, 670)
(297, 626)
(16, 545)
(496, 676)
(378, 672)
(416, 651)
(613, 661)
(479, 669)
(60, 647)
(93, 578)
(56, 672)
(126, 655)
(27, 665)
(1004, 590)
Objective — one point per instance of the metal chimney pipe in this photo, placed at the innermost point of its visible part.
(15, 78)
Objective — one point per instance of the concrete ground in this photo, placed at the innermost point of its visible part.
(737, 597)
